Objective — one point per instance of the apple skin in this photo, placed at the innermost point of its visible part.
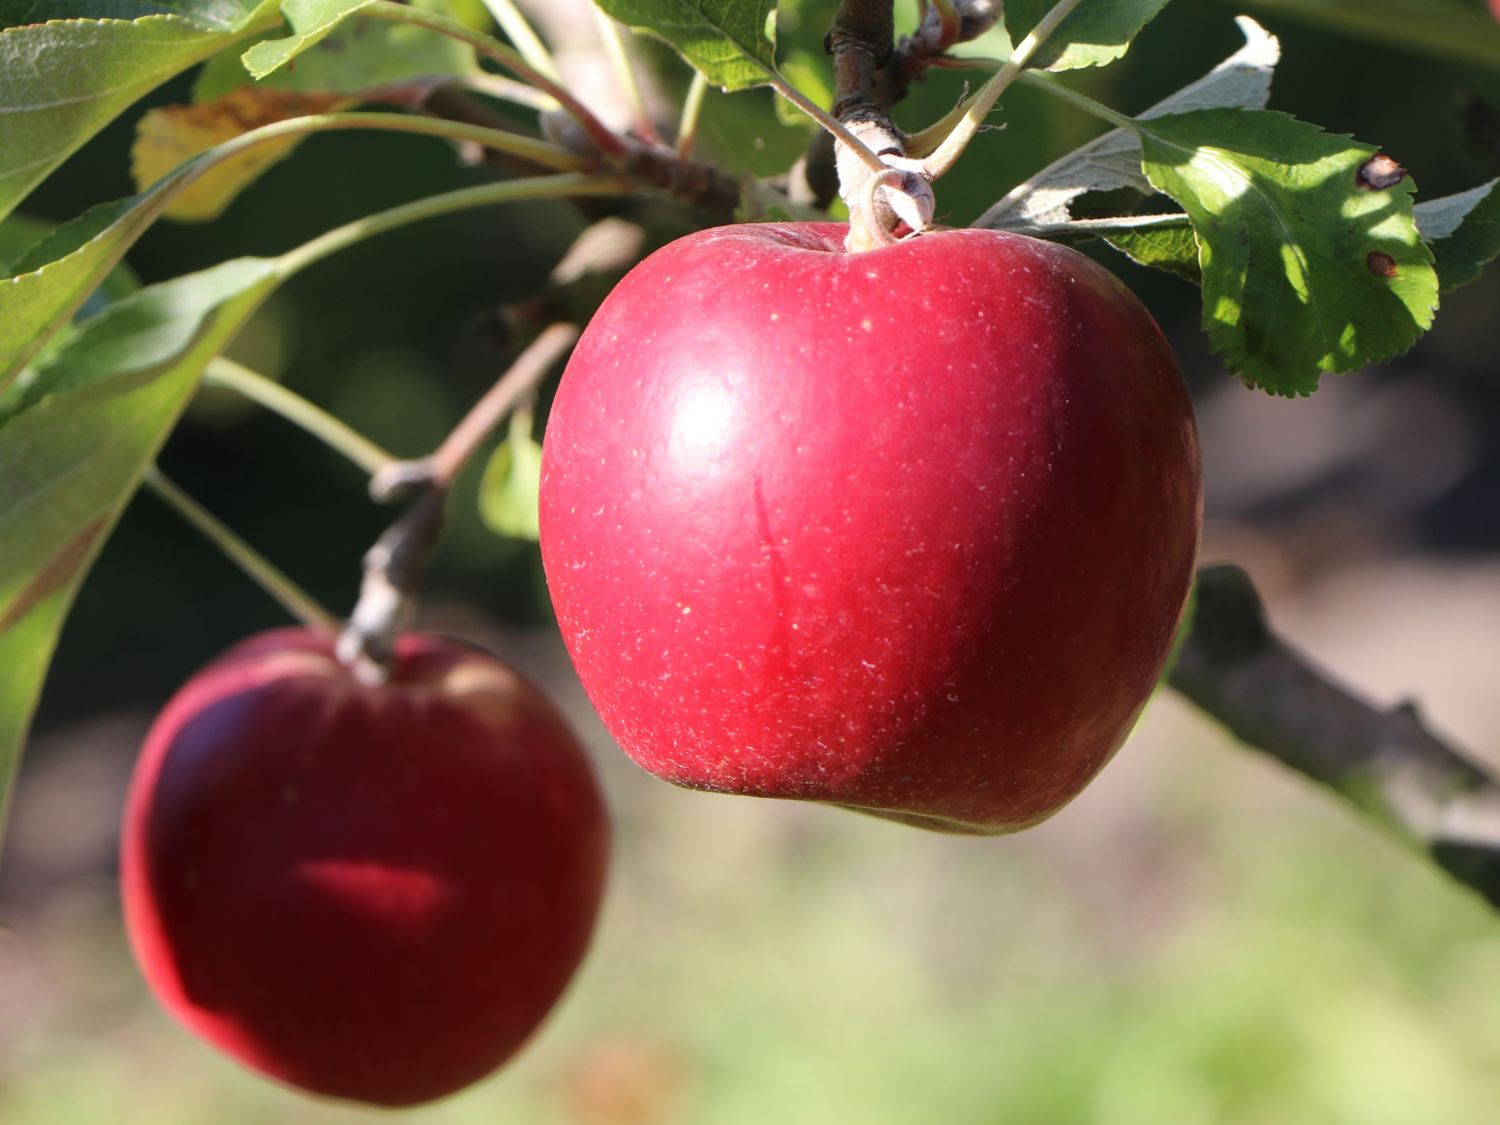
(909, 530)
(370, 893)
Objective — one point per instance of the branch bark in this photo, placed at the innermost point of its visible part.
(861, 41)
(705, 187)
(1385, 763)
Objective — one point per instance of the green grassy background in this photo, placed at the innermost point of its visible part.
(1199, 938)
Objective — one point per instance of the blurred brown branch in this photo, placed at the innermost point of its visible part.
(1386, 763)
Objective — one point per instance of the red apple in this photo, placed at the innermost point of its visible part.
(907, 530)
(374, 893)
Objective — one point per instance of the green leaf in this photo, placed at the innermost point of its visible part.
(1452, 30)
(61, 82)
(732, 42)
(1113, 161)
(347, 63)
(352, 59)
(141, 331)
(313, 20)
(59, 273)
(25, 652)
(1464, 232)
(20, 238)
(1305, 270)
(18, 234)
(55, 278)
(1095, 33)
(222, 15)
(508, 492)
(72, 457)
(1166, 244)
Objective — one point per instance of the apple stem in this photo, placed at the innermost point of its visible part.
(267, 392)
(841, 132)
(612, 146)
(261, 570)
(619, 59)
(395, 567)
(947, 153)
(692, 108)
(480, 195)
(520, 32)
(895, 190)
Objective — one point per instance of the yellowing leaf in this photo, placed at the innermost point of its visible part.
(167, 136)
(508, 493)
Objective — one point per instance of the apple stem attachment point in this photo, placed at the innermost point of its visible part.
(394, 569)
(899, 194)
(891, 189)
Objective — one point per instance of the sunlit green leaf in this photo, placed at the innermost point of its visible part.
(733, 42)
(1097, 32)
(222, 15)
(1305, 268)
(1113, 160)
(57, 276)
(312, 20)
(355, 57)
(1169, 246)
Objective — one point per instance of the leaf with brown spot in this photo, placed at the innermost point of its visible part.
(1305, 272)
(169, 135)
(1379, 173)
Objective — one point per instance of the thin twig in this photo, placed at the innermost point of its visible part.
(841, 131)
(619, 59)
(225, 372)
(255, 565)
(599, 133)
(481, 195)
(395, 567)
(507, 90)
(692, 109)
(524, 37)
(947, 153)
(530, 367)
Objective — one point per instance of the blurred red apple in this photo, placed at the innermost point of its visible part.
(373, 893)
(908, 530)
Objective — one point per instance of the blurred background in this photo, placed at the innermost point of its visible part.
(1201, 937)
